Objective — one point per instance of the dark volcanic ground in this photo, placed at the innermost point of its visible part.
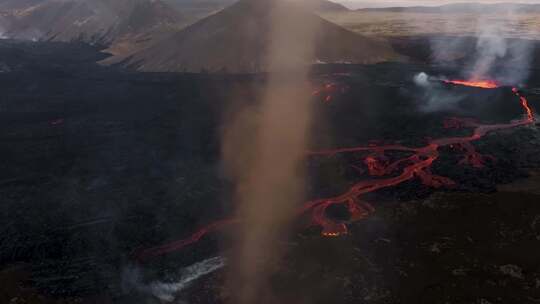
(97, 162)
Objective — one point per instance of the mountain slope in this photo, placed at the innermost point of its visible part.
(324, 6)
(214, 5)
(93, 21)
(236, 38)
(18, 4)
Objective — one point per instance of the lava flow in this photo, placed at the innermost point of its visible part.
(484, 84)
(178, 245)
(416, 164)
(329, 90)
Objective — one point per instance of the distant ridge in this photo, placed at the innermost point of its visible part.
(460, 8)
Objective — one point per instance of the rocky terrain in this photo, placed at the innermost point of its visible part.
(100, 161)
(98, 22)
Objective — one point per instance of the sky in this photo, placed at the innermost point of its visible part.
(386, 3)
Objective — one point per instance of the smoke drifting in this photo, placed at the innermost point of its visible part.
(271, 183)
(132, 279)
(435, 97)
(3, 29)
(421, 79)
(492, 47)
(495, 55)
(491, 54)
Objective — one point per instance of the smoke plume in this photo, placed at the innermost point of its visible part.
(495, 54)
(488, 51)
(132, 279)
(265, 164)
(435, 97)
(3, 29)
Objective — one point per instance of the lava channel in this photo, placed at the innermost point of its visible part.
(416, 165)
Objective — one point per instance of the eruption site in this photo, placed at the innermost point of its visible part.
(384, 171)
(484, 84)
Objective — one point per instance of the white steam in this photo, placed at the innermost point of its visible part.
(3, 30)
(495, 55)
(132, 279)
(421, 79)
(489, 51)
(490, 46)
(435, 98)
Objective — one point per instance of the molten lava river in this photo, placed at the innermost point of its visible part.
(384, 173)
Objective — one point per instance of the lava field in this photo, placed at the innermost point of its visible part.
(108, 172)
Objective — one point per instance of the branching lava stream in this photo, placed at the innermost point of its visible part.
(416, 164)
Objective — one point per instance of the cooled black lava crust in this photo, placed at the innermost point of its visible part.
(97, 162)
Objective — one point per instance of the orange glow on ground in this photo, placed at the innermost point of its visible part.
(416, 165)
(484, 84)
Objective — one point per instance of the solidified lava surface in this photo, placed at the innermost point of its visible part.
(100, 164)
(415, 164)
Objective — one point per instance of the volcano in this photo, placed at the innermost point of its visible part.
(235, 40)
(215, 5)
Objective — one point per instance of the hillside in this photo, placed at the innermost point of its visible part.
(235, 39)
(97, 21)
(215, 5)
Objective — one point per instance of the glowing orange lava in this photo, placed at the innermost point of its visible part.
(524, 104)
(416, 165)
(484, 84)
(328, 91)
